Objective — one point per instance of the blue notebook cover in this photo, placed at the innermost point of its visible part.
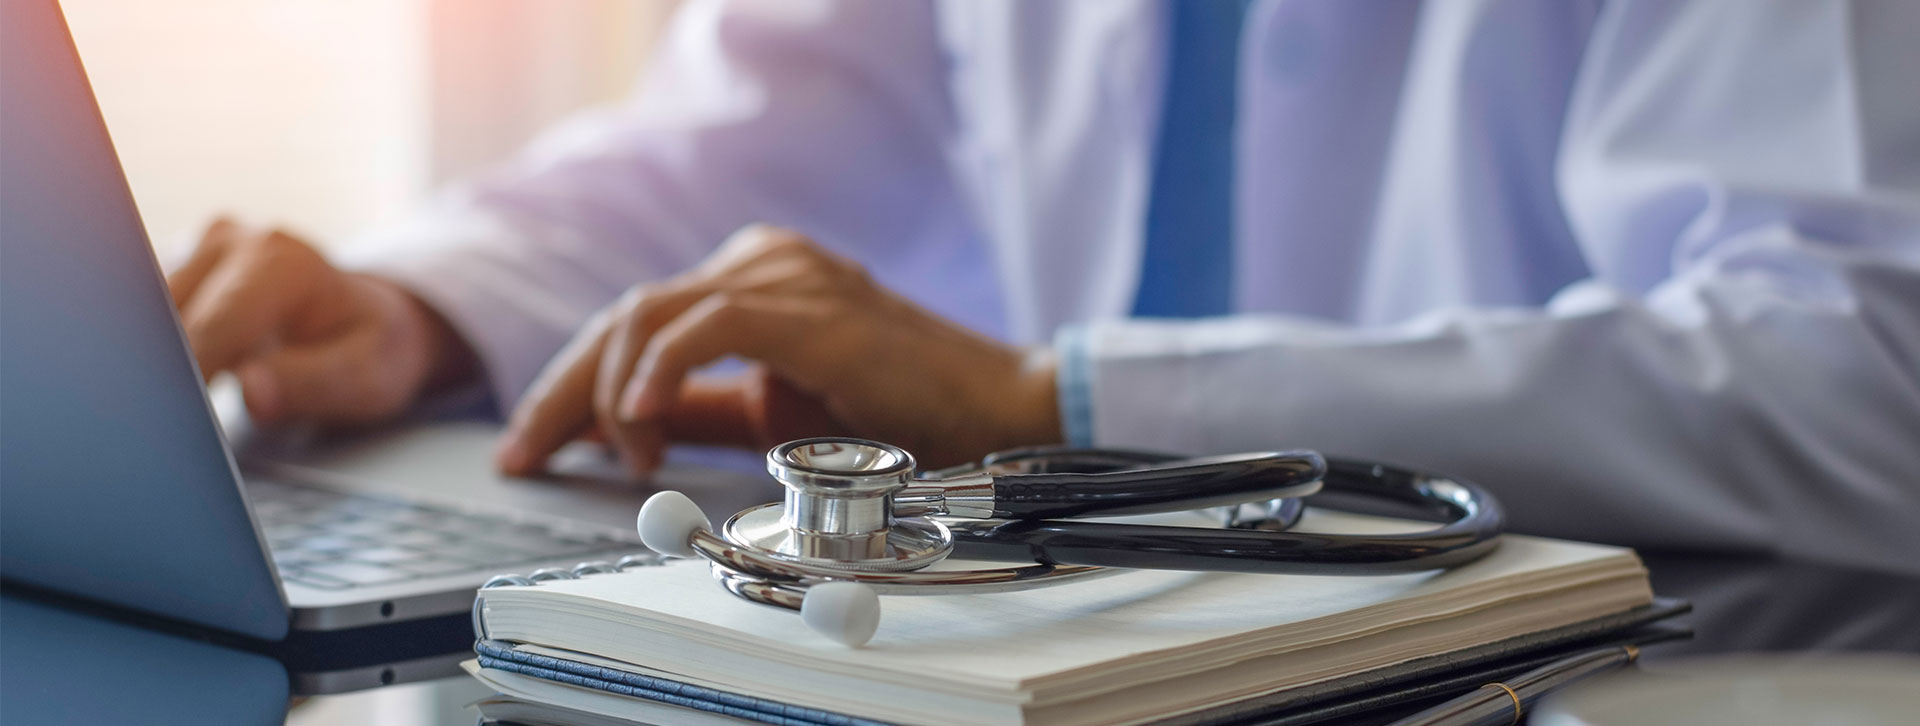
(502, 656)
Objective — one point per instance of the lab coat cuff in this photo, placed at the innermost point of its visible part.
(1191, 386)
(1074, 381)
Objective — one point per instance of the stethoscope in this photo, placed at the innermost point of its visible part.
(857, 523)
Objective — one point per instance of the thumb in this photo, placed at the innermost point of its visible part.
(332, 382)
(710, 411)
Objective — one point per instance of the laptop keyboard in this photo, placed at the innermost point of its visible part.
(334, 540)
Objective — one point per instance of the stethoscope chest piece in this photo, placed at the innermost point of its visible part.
(907, 543)
(838, 511)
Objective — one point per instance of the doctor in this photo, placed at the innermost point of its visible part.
(1650, 270)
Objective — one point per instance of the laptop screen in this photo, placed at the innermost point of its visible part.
(114, 482)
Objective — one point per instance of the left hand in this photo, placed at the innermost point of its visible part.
(832, 353)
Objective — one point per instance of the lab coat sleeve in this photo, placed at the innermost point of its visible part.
(826, 116)
(1764, 396)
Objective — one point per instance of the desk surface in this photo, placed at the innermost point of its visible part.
(1741, 604)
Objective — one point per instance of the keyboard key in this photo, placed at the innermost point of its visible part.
(357, 573)
(428, 518)
(311, 579)
(534, 544)
(420, 538)
(381, 555)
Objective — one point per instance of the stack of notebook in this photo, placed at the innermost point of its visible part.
(667, 644)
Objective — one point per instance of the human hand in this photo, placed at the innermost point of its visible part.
(832, 353)
(308, 341)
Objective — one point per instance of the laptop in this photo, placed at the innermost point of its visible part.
(116, 484)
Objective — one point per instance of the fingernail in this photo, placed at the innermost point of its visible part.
(512, 457)
(261, 392)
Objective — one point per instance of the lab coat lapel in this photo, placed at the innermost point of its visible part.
(1057, 105)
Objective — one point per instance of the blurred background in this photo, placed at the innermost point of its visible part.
(327, 117)
(330, 116)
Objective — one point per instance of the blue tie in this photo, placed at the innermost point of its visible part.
(1187, 269)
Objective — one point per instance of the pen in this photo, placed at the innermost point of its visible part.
(1505, 702)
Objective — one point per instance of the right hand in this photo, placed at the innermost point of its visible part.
(833, 352)
(307, 341)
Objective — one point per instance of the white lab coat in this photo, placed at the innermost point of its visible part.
(1650, 270)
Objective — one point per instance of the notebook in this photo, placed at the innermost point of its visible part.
(528, 685)
(1136, 647)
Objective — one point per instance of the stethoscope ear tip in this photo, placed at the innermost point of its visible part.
(668, 521)
(846, 612)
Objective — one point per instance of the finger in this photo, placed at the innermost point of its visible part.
(640, 445)
(714, 412)
(782, 411)
(747, 245)
(639, 439)
(633, 445)
(558, 406)
(646, 310)
(756, 410)
(183, 282)
(241, 304)
(768, 330)
(334, 382)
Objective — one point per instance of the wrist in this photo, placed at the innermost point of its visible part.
(432, 355)
(450, 360)
(1034, 415)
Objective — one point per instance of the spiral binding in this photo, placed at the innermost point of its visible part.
(549, 574)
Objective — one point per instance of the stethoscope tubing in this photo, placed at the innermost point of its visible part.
(838, 596)
(1062, 548)
(1475, 522)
